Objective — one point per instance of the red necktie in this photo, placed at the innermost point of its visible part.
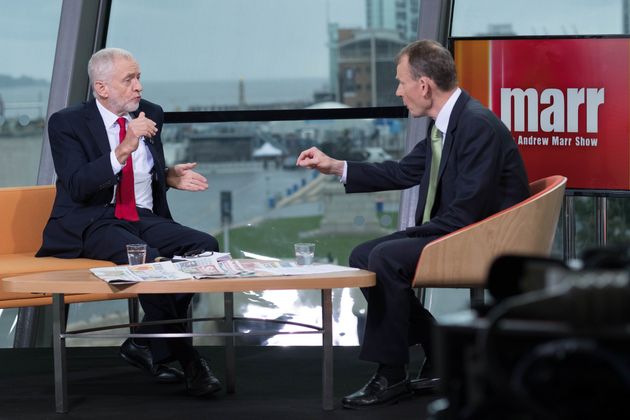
(125, 194)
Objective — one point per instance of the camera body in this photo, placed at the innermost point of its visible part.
(554, 344)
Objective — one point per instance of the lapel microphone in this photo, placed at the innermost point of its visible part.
(145, 139)
(149, 140)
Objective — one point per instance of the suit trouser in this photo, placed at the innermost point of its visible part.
(395, 317)
(106, 238)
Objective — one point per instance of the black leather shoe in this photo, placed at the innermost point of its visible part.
(200, 380)
(165, 374)
(424, 385)
(426, 381)
(140, 357)
(377, 392)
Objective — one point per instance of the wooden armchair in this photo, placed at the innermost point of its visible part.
(463, 258)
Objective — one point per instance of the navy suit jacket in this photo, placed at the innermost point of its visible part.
(481, 171)
(85, 179)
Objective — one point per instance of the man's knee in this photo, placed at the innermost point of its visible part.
(207, 243)
(358, 258)
(381, 258)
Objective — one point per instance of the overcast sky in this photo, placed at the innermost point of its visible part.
(191, 39)
(260, 39)
(539, 17)
(28, 33)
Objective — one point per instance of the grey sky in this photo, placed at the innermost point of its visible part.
(192, 39)
(218, 39)
(28, 32)
(259, 39)
(539, 17)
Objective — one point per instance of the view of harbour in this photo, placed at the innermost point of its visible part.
(184, 96)
(31, 100)
(263, 188)
(266, 189)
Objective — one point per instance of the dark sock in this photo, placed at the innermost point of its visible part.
(187, 356)
(427, 370)
(393, 373)
(141, 342)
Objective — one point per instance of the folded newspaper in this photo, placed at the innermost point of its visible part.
(218, 265)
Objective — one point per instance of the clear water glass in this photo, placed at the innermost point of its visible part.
(304, 253)
(136, 253)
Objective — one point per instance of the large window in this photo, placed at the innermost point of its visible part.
(247, 85)
(274, 204)
(237, 54)
(28, 31)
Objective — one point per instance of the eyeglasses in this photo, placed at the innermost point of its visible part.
(196, 252)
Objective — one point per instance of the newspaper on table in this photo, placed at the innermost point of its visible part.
(217, 265)
(123, 274)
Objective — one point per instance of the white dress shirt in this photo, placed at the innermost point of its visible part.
(142, 159)
(441, 122)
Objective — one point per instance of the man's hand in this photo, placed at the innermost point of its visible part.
(314, 158)
(183, 177)
(138, 127)
(141, 126)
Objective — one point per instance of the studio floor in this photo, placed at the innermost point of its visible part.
(271, 383)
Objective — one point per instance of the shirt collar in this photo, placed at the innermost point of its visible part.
(109, 118)
(441, 122)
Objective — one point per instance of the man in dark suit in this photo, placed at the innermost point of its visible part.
(111, 191)
(480, 172)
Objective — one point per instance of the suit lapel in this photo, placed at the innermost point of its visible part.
(156, 160)
(452, 130)
(150, 143)
(96, 126)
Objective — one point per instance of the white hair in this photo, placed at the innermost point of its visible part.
(102, 62)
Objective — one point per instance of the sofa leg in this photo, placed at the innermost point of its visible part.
(31, 327)
(476, 296)
(133, 306)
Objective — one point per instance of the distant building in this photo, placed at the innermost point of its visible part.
(333, 53)
(241, 93)
(362, 68)
(397, 15)
(498, 29)
(366, 69)
(226, 142)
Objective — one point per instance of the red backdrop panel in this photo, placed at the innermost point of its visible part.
(566, 102)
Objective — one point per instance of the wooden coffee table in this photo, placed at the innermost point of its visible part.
(59, 283)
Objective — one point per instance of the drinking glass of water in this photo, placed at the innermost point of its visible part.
(136, 253)
(304, 253)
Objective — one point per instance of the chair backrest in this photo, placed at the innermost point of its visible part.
(463, 258)
(24, 212)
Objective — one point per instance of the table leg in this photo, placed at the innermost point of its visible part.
(59, 354)
(230, 359)
(327, 346)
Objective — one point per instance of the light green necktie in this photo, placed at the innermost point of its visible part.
(436, 155)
